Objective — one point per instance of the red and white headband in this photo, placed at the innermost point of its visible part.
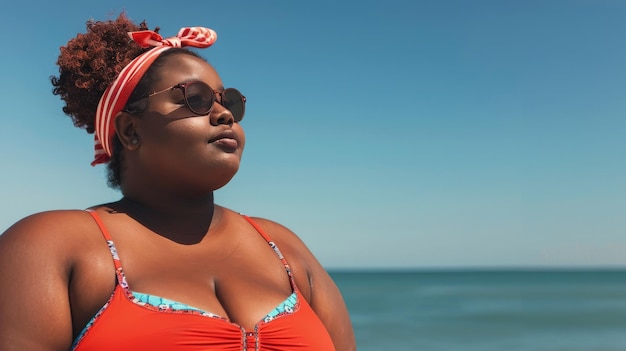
(116, 95)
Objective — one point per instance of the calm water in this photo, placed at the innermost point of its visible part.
(487, 310)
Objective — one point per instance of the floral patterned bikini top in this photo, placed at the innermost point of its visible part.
(136, 321)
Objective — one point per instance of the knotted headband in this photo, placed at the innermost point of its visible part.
(116, 95)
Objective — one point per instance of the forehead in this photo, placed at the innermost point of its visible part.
(182, 67)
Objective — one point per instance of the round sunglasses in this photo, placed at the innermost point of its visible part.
(200, 97)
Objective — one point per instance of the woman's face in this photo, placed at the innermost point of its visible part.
(181, 149)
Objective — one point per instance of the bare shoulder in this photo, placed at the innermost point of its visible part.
(279, 232)
(50, 222)
(60, 238)
(46, 228)
(293, 248)
(46, 238)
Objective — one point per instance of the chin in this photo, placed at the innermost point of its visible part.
(220, 180)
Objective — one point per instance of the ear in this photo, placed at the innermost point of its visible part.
(126, 130)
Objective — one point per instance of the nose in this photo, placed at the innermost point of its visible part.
(220, 115)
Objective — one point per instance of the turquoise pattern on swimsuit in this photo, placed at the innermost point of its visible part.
(285, 307)
(163, 303)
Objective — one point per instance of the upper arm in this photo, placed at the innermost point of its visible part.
(316, 284)
(34, 273)
(328, 304)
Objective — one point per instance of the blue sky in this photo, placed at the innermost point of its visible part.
(384, 133)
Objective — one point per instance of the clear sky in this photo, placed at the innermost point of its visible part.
(384, 133)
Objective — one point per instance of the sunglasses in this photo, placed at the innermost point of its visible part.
(200, 97)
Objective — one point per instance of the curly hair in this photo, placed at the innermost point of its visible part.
(89, 63)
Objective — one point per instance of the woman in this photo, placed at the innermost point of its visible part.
(164, 268)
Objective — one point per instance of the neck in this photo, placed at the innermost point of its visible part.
(185, 221)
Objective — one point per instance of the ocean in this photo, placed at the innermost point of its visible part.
(513, 310)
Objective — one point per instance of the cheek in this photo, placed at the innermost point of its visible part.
(184, 129)
(163, 137)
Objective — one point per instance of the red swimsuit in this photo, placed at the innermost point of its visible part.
(125, 323)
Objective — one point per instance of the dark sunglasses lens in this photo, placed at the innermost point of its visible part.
(234, 102)
(199, 97)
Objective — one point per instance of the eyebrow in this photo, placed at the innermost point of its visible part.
(219, 88)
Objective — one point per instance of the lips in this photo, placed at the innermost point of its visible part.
(227, 139)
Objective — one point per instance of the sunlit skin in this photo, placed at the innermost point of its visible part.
(174, 143)
(173, 240)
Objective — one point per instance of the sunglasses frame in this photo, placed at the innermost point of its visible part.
(183, 87)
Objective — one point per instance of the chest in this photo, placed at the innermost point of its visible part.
(239, 282)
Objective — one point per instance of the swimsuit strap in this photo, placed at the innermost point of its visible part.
(272, 245)
(109, 240)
